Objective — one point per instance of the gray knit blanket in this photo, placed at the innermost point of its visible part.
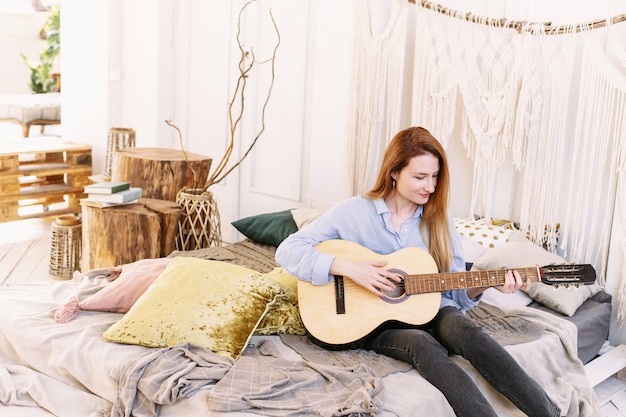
(507, 329)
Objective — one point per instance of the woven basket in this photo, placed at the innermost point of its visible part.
(119, 138)
(199, 226)
(65, 247)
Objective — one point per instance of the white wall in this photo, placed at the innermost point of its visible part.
(85, 102)
(19, 34)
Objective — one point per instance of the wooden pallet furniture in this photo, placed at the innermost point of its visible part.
(603, 374)
(31, 110)
(42, 177)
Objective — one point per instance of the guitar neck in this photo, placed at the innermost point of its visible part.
(446, 281)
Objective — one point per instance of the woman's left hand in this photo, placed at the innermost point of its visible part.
(513, 282)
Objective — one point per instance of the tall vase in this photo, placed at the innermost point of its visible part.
(199, 226)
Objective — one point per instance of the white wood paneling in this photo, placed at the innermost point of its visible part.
(274, 168)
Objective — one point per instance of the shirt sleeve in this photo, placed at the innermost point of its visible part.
(298, 255)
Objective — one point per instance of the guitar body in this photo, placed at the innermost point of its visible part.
(364, 311)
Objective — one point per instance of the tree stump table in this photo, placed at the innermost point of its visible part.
(127, 233)
(160, 172)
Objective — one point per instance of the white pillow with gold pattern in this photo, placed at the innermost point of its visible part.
(484, 232)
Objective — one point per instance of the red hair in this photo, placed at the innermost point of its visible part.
(404, 146)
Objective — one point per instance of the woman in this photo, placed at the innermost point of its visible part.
(408, 207)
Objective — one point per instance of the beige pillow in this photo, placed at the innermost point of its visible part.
(208, 303)
(304, 216)
(520, 252)
(472, 250)
(565, 300)
(497, 298)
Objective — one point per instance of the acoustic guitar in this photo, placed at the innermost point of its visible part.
(343, 312)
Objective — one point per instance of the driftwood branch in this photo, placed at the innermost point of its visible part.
(522, 26)
(182, 148)
(213, 179)
(246, 63)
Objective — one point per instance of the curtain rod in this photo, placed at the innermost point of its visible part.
(521, 25)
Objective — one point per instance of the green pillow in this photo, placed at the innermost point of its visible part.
(212, 304)
(268, 228)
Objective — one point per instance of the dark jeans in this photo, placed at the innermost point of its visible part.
(452, 332)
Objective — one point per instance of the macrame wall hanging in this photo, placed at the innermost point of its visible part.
(377, 87)
(485, 69)
(597, 158)
(539, 138)
(506, 90)
(620, 55)
(433, 102)
(597, 155)
(503, 89)
(621, 295)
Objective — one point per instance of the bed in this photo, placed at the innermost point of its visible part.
(58, 354)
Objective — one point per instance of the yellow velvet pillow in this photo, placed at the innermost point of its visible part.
(208, 303)
(283, 316)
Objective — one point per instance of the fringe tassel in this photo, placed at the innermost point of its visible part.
(435, 85)
(68, 312)
(377, 89)
(621, 295)
(597, 160)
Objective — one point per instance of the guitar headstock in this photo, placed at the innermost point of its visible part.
(568, 274)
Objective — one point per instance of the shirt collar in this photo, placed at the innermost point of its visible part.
(382, 208)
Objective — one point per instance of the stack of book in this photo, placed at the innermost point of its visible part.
(110, 194)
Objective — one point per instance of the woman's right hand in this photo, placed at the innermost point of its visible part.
(368, 274)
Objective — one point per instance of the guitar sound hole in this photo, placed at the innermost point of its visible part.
(399, 291)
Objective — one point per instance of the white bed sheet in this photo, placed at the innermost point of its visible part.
(65, 368)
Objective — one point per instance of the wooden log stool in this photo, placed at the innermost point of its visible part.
(127, 233)
(160, 172)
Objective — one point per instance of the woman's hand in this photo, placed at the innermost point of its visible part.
(512, 282)
(368, 274)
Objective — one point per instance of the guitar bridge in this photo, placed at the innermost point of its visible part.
(340, 298)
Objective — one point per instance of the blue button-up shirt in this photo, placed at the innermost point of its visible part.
(366, 222)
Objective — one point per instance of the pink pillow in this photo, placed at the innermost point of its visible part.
(120, 295)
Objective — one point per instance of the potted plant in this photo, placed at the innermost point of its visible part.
(200, 225)
(42, 79)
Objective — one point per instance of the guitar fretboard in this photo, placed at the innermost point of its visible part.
(446, 281)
